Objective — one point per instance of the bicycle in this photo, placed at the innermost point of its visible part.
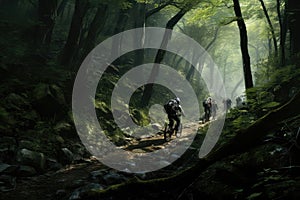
(169, 132)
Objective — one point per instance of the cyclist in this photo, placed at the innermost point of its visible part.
(174, 111)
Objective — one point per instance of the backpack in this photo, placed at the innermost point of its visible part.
(171, 106)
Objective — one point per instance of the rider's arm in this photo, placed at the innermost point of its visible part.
(181, 110)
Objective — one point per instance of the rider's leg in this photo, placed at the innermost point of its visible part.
(171, 122)
(177, 119)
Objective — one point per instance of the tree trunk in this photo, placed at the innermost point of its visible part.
(293, 9)
(139, 21)
(46, 17)
(119, 27)
(61, 7)
(160, 55)
(271, 27)
(283, 29)
(81, 8)
(244, 45)
(94, 29)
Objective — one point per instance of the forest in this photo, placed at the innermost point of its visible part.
(84, 87)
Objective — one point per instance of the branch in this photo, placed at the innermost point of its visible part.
(157, 9)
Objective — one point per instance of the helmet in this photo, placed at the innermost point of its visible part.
(177, 99)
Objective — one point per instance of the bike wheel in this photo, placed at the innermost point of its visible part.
(178, 134)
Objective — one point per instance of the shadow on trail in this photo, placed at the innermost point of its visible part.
(148, 145)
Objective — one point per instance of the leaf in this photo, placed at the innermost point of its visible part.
(254, 195)
(272, 104)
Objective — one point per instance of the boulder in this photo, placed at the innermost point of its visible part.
(48, 100)
(7, 183)
(65, 156)
(7, 169)
(7, 149)
(79, 193)
(113, 178)
(32, 158)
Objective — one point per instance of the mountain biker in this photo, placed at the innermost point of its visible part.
(207, 108)
(174, 111)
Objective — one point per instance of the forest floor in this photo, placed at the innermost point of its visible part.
(62, 184)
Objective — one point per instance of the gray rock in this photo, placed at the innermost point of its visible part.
(156, 126)
(80, 192)
(32, 158)
(52, 164)
(7, 183)
(7, 149)
(65, 156)
(114, 178)
(7, 169)
(98, 174)
(48, 100)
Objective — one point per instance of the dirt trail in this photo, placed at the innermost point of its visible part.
(60, 184)
(157, 141)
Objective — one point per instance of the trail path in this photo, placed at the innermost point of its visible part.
(64, 183)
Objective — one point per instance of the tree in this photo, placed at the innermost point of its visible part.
(46, 17)
(94, 29)
(283, 31)
(244, 45)
(81, 8)
(293, 17)
(271, 26)
(160, 55)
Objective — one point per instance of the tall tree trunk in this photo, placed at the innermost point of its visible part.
(46, 17)
(139, 21)
(244, 45)
(94, 29)
(119, 27)
(160, 55)
(271, 27)
(61, 7)
(81, 8)
(293, 9)
(283, 29)
(209, 45)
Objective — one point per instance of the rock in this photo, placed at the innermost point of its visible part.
(26, 171)
(65, 156)
(7, 149)
(78, 183)
(32, 158)
(7, 169)
(49, 100)
(52, 164)
(98, 174)
(64, 129)
(7, 183)
(79, 152)
(79, 193)
(156, 126)
(113, 178)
